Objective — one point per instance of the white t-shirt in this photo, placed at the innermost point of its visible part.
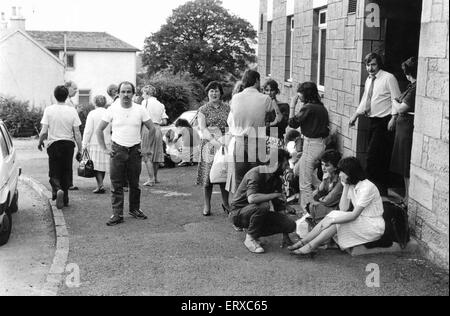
(61, 119)
(126, 123)
(156, 109)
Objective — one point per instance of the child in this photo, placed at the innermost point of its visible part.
(190, 142)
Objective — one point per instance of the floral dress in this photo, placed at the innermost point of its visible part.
(216, 116)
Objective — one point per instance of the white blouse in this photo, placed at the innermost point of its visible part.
(366, 195)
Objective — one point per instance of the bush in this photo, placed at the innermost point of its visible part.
(19, 118)
(179, 93)
(83, 111)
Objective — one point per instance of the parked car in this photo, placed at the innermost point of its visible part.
(174, 149)
(9, 178)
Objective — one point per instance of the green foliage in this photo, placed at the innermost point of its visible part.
(19, 118)
(179, 93)
(83, 111)
(204, 39)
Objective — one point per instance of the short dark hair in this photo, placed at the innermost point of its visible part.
(292, 135)
(284, 108)
(310, 92)
(61, 93)
(375, 56)
(273, 85)
(213, 85)
(133, 88)
(410, 67)
(182, 123)
(331, 156)
(353, 169)
(250, 78)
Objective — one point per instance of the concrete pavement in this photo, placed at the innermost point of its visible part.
(179, 252)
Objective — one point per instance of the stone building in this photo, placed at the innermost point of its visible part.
(325, 41)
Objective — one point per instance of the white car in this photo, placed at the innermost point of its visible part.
(9, 178)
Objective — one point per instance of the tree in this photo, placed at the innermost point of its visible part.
(204, 39)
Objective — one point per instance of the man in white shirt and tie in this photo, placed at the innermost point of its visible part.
(381, 90)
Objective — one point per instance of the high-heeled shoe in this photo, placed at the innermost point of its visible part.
(206, 214)
(308, 252)
(226, 210)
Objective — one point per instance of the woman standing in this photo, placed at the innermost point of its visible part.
(99, 157)
(274, 121)
(363, 225)
(212, 119)
(314, 123)
(152, 140)
(405, 107)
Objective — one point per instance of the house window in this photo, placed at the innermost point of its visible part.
(261, 27)
(85, 97)
(70, 61)
(289, 48)
(352, 6)
(269, 49)
(320, 46)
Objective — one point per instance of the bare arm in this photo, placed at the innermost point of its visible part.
(262, 198)
(100, 136)
(77, 134)
(43, 136)
(344, 205)
(293, 105)
(205, 131)
(149, 124)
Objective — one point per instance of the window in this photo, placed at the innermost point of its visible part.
(3, 145)
(319, 48)
(55, 52)
(85, 97)
(7, 137)
(289, 48)
(261, 27)
(352, 6)
(70, 61)
(269, 49)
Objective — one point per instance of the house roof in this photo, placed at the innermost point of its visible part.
(81, 41)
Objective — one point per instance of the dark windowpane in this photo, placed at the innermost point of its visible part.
(262, 22)
(323, 18)
(70, 61)
(85, 97)
(352, 6)
(3, 146)
(269, 49)
(323, 50)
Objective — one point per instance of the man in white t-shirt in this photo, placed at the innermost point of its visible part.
(61, 126)
(126, 119)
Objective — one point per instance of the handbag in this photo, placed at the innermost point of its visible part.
(86, 167)
(219, 169)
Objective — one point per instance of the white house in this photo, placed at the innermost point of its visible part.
(32, 63)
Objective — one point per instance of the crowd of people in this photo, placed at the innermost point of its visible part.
(273, 150)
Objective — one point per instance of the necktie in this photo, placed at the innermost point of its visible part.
(369, 97)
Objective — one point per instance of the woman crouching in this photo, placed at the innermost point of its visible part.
(349, 228)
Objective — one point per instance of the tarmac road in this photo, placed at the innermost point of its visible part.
(178, 252)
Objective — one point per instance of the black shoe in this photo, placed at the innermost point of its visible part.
(115, 220)
(73, 188)
(138, 215)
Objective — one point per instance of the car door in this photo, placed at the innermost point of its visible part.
(9, 177)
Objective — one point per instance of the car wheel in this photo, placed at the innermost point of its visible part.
(14, 208)
(5, 229)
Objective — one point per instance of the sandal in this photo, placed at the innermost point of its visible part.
(100, 190)
(297, 246)
(149, 184)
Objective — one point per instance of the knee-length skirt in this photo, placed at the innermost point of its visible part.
(99, 157)
(207, 153)
(152, 145)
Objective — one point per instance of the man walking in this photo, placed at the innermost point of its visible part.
(250, 208)
(126, 118)
(60, 125)
(381, 91)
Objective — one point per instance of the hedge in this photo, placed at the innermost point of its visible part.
(20, 119)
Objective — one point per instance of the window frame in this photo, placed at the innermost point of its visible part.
(73, 60)
(82, 94)
(321, 27)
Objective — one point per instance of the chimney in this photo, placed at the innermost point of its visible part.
(17, 21)
(3, 22)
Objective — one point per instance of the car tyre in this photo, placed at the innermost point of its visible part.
(5, 229)
(14, 208)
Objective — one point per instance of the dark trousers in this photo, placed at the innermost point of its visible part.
(126, 165)
(379, 153)
(60, 157)
(261, 222)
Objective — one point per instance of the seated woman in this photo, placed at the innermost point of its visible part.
(350, 229)
(327, 196)
(190, 140)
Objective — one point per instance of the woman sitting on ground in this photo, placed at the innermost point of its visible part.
(363, 225)
(329, 193)
(190, 139)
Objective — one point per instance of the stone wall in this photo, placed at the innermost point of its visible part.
(429, 203)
